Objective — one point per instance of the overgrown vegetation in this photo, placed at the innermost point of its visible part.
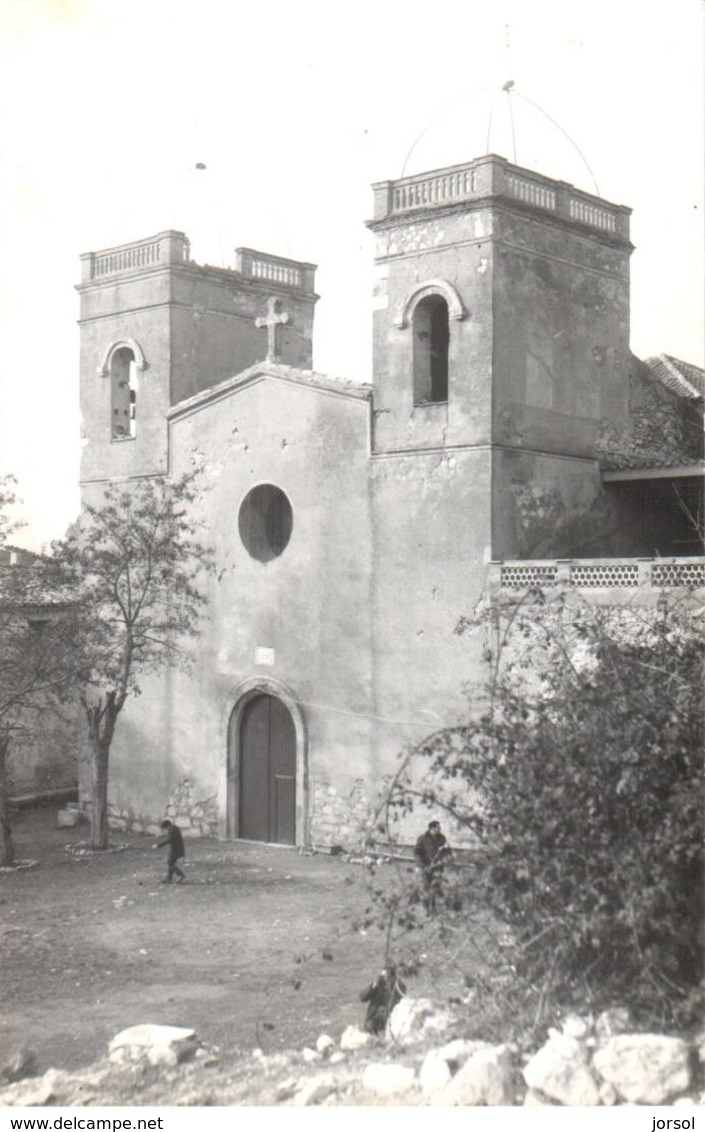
(579, 782)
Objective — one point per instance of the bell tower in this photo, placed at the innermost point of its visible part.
(500, 326)
(157, 328)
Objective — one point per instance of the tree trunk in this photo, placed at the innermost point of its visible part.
(7, 848)
(99, 755)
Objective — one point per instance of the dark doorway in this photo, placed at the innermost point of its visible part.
(267, 772)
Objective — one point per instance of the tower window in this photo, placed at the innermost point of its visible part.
(431, 339)
(123, 394)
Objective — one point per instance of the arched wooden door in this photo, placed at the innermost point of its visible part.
(267, 772)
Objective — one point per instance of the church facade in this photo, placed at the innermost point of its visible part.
(507, 427)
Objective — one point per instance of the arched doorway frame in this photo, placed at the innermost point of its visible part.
(235, 706)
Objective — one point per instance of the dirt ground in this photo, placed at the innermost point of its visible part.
(256, 949)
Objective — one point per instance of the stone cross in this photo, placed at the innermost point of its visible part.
(273, 319)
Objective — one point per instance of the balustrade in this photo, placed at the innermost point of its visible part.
(605, 573)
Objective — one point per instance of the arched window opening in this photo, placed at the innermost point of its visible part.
(431, 339)
(123, 388)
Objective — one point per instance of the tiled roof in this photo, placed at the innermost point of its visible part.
(28, 586)
(681, 377)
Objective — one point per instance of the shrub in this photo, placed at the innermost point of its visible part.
(588, 758)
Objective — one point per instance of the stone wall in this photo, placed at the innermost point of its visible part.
(195, 817)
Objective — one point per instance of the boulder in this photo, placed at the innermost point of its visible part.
(325, 1044)
(409, 1019)
(644, 1068)
(434, 1073)
(560, 1070)
(313, 1091)
(387, 1079)
(354, 1038)
(457, 1052)
(157, 1045)
(575, 1026)
(486, 1078)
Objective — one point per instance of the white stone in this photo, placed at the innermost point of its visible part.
(136, 1041)
(434, 1073)
(560, 1069)
(387, 1080)
(644, 1068)
(457, 1052)
(354, 1038)
(337, 1057)
(309, 1054)
(324, 1043)
(408, 1018)
(160, 1056)
(313, 1091)
(576, 1027)
(486, 1078)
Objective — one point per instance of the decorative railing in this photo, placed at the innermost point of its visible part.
(494, 176)
(441, 189)
(603, 573)
(531, 192)
(274, 269)
(166, 248)
(592, 214)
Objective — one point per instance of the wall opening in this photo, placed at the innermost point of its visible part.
(123, 394)
(431, 338)
(265, 522)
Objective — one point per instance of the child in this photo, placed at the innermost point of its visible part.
(172, 837)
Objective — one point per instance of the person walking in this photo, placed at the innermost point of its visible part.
(172, 837)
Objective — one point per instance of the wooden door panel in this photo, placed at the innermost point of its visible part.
(267, 772)
(254, 771)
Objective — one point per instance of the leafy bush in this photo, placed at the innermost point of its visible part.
(587, 756)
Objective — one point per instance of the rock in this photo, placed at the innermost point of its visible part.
(313, 1091)
(29, 1092)
(560, 1069)
(22, 1063)
(309, 1054)
(486, 1078)
(608, 1094)
(337, 1057)
(644, 1068)
(576, 1027)
(286, 1088)
(159, 1045)
(457, 1052)
(325, 1044)
(611, 1022)
(387, 1080)
(354, 1038)
(434, 1073)
(684, 1102)
(408, 1019)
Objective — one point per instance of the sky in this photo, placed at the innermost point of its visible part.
(295, 108)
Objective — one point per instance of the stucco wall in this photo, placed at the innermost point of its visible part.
(310, 606)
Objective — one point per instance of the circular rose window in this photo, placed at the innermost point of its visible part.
(265, 522)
